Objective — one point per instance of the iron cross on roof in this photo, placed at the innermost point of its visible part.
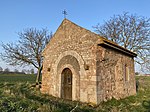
(65, 13)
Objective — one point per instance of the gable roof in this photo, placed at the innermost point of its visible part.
(102, 41)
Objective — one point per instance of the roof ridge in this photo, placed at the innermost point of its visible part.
(103, 40)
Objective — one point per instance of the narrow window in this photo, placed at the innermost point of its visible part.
(116, 72)
(126, 72)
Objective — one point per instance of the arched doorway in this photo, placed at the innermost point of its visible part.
(66, 77)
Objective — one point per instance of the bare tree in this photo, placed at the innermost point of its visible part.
(6, 70)
(1, 69)
(23, 71)
(130, 31)
(32, 71)
(16, 70)
(27, 50)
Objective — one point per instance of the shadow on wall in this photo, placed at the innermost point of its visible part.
(137, 85)
(146, 105)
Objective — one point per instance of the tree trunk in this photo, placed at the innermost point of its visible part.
(39, 74)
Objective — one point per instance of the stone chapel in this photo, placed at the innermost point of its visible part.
(81, 65)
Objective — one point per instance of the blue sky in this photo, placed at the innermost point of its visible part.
(16, 15)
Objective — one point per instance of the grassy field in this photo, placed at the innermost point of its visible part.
(17, 94)
(17, 78)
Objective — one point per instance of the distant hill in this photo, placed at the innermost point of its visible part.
(7, 72)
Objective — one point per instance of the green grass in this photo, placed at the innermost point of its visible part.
(17, 78)
(138, 103)
(18, 95)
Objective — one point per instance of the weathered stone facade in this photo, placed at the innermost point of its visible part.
(100, 69)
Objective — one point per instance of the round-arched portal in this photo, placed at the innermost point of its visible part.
(66, 77)
(73, 61)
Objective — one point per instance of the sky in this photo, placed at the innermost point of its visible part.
(17, 15)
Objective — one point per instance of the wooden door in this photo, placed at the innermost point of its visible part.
(67, 84)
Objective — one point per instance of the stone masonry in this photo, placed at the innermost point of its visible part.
(100, 69)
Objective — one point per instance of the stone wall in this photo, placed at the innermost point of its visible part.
(111, 82)
(74, 48)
